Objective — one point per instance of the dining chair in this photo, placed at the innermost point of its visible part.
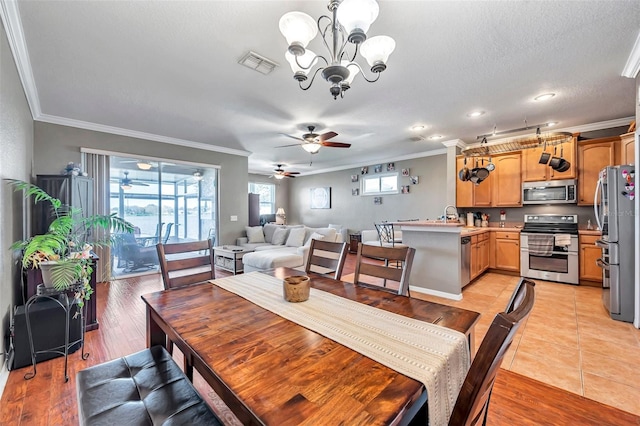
(472, 405)
(183, 264)
(167, 233)
(327, 257)
(388, 236)
(402, 255)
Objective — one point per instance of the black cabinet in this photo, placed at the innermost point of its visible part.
(254, 209)
(73, 191)
(354, 239)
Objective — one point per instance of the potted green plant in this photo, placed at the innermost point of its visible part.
(64, 250)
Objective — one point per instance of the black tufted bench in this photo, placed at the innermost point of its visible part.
(145, 388)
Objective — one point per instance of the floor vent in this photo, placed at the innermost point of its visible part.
(257, 63)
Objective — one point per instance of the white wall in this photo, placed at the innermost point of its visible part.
(16, 148)
(426, 200)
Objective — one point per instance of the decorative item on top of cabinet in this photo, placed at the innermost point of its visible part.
(534, 171)
(506, 180)
(627, 148)
(589, 254)
(593, 156)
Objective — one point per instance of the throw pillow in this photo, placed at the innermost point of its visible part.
(279, 236)
(329, 233)
(268, 230)
(296, 237)
(314, 236)
(255, 234)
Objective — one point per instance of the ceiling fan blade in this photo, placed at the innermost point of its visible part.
(328, 135)
(286, 146)
(289, 176)
(336, 144)
(291, 173)
(292, 137)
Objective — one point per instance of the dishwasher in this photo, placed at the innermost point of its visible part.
(465, 261)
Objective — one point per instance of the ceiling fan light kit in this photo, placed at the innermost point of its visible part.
(349, 24)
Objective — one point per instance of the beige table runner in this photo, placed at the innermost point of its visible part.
(434, 355)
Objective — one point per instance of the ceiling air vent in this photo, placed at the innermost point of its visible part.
(257, 63)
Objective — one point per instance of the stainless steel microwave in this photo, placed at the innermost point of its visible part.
(549, 192)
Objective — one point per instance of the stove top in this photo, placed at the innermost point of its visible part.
(551, 224)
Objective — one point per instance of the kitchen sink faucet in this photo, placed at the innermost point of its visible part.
(446, 209)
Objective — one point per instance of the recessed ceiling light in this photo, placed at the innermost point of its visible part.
(417, 127)
(552, 123)
(436, 137)
(475, 114)
(544, 97)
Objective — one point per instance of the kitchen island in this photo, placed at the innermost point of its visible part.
(437, 263)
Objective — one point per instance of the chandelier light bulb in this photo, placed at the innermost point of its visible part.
(307, 60)
(311, 147)
(376, 51)
(299, 29)
(356, 16)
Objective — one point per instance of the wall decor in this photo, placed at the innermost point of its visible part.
(391, 167)
(355, 191)
(414, 180)
(405, 172)
(405, 189)
(354, 178)
(321, 198)
(364, 170)
(377, 200)
(377, 168)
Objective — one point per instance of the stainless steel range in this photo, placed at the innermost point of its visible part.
(549, 248)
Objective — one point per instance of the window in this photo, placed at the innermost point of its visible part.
(267, 193)
(380, 184)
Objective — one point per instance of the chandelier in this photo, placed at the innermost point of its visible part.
(347, 27)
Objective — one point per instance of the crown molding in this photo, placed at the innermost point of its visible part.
(441, 151)
(632, 66)
(138, 135)
(458, 143)
(618, 122)
(13, 28)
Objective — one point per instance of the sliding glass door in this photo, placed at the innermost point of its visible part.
(165, 202)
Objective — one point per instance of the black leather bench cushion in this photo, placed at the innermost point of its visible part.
(145, 388)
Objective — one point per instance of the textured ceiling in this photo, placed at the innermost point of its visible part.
(170, 69)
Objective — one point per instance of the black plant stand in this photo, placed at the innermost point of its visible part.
(61, 297)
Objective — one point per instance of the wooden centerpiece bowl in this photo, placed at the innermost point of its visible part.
(296, 288)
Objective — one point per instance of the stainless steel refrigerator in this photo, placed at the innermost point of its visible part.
(614, 211)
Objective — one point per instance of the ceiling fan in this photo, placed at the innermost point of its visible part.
(281, 174)
(142, 164)
(312, 142)
(126, 183)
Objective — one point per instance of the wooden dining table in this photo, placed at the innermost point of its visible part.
(269, 370)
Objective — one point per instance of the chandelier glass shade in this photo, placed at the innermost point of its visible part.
(345, 30)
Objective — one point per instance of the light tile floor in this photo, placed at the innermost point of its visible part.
(568, 341)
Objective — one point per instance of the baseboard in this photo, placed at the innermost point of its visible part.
(4, 375)
(435, 293)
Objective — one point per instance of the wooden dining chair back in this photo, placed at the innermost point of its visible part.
(401, 256)
(472, 405)
(326, 257)
(186, 263)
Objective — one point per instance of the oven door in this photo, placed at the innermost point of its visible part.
(561, 265)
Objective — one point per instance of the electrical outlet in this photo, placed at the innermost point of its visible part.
(234, 218)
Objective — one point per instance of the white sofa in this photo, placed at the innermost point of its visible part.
(282, 245)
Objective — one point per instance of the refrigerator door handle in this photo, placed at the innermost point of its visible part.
(602, 244)
(595, 202)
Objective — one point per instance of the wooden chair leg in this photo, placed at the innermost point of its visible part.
(188, 369)
(169, 346)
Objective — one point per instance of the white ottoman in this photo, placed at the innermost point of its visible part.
(291, 257)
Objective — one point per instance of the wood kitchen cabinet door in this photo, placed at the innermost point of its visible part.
(464, 190)
(482, 191)
(506, 180)
(593, 156)
(627, 148)
(533, 171)
(507, 251)
(568, 152)
(589, 253)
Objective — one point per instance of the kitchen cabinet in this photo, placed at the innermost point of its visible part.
(589, 253)
(469, 194)
(506, 180)
(505, 249)
(593, 156)
(533, 171)
(627, 148)
(479, 254)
